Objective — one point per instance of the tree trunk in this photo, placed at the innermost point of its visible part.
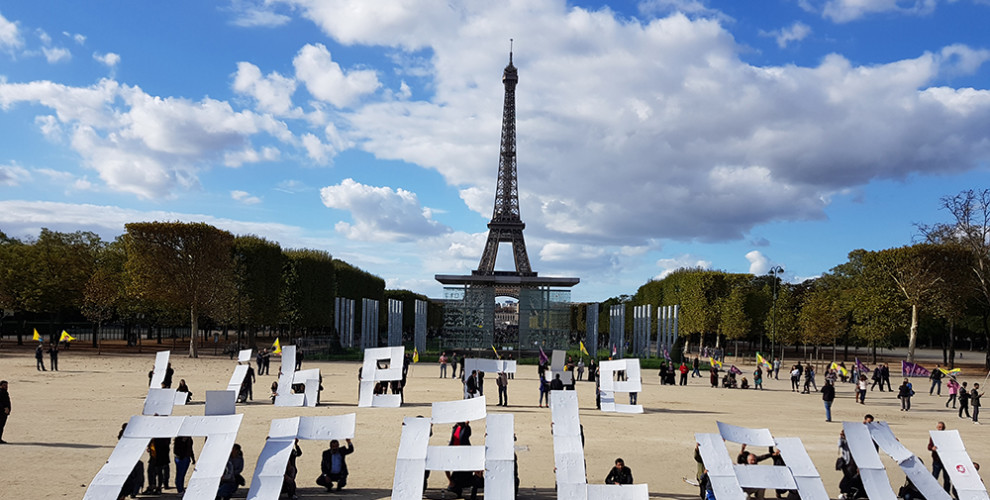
(96, 334)
(952, 344)
(193, 330)
(913, 337)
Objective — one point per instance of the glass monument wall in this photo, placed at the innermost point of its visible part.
(469, 317)
(544, 318)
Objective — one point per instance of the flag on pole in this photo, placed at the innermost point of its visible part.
(914, 370)
(415, 355)
(733, 369)
(953, 372)
(583, 350)
(66, 337)
(714, 362)
(543, 356)
(861, 367)
(837, 367)
(761, 361)
(496, 352)
(277, 346)
(36, 336)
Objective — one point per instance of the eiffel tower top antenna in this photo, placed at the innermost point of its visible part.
(510, 51)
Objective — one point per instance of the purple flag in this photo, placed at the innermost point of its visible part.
(543, 356)
(861, 367)
(733, 369)
(914, 370)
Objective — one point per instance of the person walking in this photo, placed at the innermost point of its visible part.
(937, 467)
(758, 378)
(776, 368)
(936, 378)
(182, 448)
(953, 388)
(53, 356)
(502, 381)
(885, 377)
(974, 401)
(828, 395)
(695, 368)
(964, 401)
(904, 393)
(862, 389)
(544, 391)
(39, 357)
(443, 364)
(4, 408)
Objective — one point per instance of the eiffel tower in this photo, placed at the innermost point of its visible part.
(507, 225)
(469, 312)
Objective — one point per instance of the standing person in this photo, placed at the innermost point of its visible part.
(795, 378)
(167, 382)
(877, 378)
(713, 376)
(299, 359)
(259, 358)
(183, 449)
(974, 401)
(695, 367)
(964, 401)
(472, 384)
(443, 364)
(334, 465)
(39, 357)
(828, 395)
(936, 378)
(776, 368)
(53, 356)
(232, 478)
(453, 365)
(953, 388)
(937, 467)
(580, 368)
(512, 375)
(267, 361)
(904, 393)
(862, 389)
(544, 391)
(684, 372)
(249, 380)
(502, 381)
(289, 478)
(4, 408)
(620, 474)
(885, 377)
(758, 378)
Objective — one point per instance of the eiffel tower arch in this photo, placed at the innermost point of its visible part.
(469, 301)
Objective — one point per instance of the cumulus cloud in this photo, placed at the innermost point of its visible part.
(842, 11)
(10, 35)
(316, 150)
(244, 197)
(56, 54)
(273, 93)
(793, 33)
(326, 81)
(110, 59)
(143, 144)
(380, 213)
(758, 263)
(683, 261)
(76, 37)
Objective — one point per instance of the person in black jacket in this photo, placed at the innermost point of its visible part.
(828, 395)
(334, 465)
(620, 474)
(4, 408)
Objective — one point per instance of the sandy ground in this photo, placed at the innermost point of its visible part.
(64, 424)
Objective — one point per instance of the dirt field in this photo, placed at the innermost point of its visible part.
(64, 424)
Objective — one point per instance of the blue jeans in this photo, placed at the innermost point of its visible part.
(936, 384)
(828, 411)
(181, 466)
(938, 468)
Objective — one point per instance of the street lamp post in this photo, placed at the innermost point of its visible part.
(774, 271)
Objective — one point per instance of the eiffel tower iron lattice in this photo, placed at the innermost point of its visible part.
(506, 225)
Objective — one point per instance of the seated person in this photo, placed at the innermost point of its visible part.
(334, 465)
(466, 479)
(185, 388)
(745, 383)
(620, 474)
(274, 391)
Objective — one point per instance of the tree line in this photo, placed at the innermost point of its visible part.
(172, 273)
(936, 289)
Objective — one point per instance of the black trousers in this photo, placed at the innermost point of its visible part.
(503, 396)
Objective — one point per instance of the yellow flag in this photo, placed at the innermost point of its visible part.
(583, 350)
(496, 352)
(415, 355)
(36, 336)
(277, 346)
(66, 337)
(714, 362)
(839, 368)
(760, 360)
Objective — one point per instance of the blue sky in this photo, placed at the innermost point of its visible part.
(651, 135)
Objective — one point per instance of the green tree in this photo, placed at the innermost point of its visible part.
(106, 288)
(185, 265)
(258, 268)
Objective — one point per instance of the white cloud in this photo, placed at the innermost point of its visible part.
(380, 213)
(56, 54)
(244, 197)
(758, 263)
(273, 92)
(76, 37)
(10, 35)
(793, 33)
(143, 144)
(316, 150)
(110, 59)
(842, 11)
(325, 80)
(12, 174)
(683, 261)
(956, 60)
(50, 127)
(259, 18)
